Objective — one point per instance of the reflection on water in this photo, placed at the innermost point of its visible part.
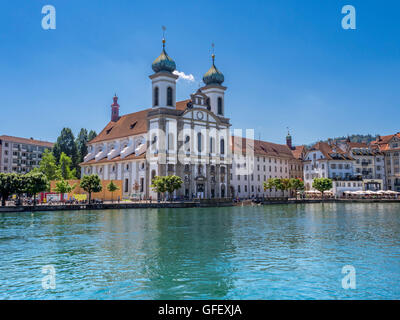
(270, 252)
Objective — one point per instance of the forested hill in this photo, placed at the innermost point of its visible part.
(354, 138)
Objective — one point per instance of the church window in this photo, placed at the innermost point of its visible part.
(222, 146)
(156, 95)
(199, 142)
(220, 105)
(169, 96)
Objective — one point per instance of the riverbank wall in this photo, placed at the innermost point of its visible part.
(181, 205)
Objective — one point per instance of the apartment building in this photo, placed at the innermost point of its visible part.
(389, 146)
(21, 155)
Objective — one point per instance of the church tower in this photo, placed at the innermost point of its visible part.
(164, 81)
(115, 109)
(214, 89)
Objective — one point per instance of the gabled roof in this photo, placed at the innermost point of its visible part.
(27, 141)
(260, 148)
(383, 142)
(116, 159)
(298, 152)
(331, 152)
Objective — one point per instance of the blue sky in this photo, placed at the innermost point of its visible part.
(286, 63)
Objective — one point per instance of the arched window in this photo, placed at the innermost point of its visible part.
(199, 142)
(222, 145)
(156, 94)
(169, 96)
(220, 111)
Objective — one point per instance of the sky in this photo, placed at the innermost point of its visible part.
(286, 63)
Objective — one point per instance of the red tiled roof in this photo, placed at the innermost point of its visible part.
(383, 142)
(260, 148)
(129, 125)
(298, 151)
(27, 141)
(328, 151)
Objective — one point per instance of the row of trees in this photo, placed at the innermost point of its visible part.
(284, 184)
(295, 184)
(33, 183)
(163, 184)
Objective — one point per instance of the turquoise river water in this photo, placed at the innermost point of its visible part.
(260, 252)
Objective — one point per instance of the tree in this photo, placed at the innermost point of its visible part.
(92, 134)
(172, 183)
(63, 186)
(269, 185)
(7, 186)
(285, 184)
(35, 182)
(65, 164)
(48, 166)
(112, 187)
(322, 185)
(81, 145)
(66, 143)
(91, 183)
(159, 185)
(296, 184)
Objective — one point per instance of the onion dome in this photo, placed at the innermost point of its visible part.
(163, 62)
(213, 76)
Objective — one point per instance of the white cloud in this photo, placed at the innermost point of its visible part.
(182, 75)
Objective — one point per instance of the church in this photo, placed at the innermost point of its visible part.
(187, 138)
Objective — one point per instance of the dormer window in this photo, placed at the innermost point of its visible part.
(133, 125)
(109, 130)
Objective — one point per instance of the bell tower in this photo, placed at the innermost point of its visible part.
(163, 80)
(115, 109)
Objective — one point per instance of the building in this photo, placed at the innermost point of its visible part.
(328, 160)
(254, 162)
(21, 155)
(187, 138)
(295, 164)
(390, 147)
(369, 164)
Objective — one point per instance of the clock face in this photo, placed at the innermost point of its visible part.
(199, 115)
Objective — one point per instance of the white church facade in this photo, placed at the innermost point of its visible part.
(188, 138)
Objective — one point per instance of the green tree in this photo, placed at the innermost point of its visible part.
(66, 143)
(65, 164)
(81, 145)
(7, 186)
(63, 186)
(90, 184)
(92, 134)
(296, 184)
(48, 166)
(269, 185)
(35, 182)
(159, 185)
(112, 187)
(172, 183)
(322, 185)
